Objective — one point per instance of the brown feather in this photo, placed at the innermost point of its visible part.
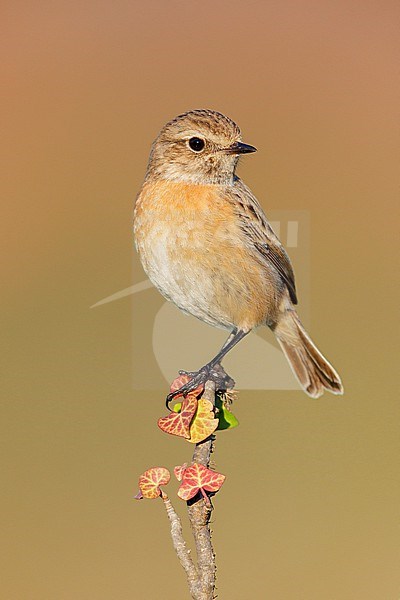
(261, 235)
(314, 373)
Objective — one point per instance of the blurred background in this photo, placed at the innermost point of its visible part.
(310, 508)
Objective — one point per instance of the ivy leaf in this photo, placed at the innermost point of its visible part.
(198, 478)
(150, 481)
(204, 422)
(226, 418)
(178, 471)
(179, 423)
(182, 380)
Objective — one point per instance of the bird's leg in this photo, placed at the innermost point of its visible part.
(212, 370)
(194, 373)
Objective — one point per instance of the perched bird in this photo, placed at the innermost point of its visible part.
(206, 244)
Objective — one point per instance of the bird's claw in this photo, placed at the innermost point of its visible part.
(211, 372)
(198, 378)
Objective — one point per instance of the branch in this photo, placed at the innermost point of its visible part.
(181, 549)
(200, 514)
(201, 579)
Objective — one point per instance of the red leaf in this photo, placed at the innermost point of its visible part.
(198, 478)
(182, 380)
(150, 481)
(178, 471)
(179, 423)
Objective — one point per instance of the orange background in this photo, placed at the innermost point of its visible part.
(310, 506)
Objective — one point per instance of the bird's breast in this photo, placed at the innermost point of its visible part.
(177, 223)
(193, 250)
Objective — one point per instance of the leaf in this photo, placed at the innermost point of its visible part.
(179, 423)
(204, 422)
(198, 478)
(182, 380)
(178, 382)
(178, 471)
(150, 481)
(226, 418)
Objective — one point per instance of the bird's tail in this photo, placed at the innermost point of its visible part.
(312, 370)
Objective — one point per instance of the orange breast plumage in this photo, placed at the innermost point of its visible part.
(193, 250)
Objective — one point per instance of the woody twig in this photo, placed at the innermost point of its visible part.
(201, 577)
(196, 422)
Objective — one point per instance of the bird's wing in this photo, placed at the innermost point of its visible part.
(260, 234)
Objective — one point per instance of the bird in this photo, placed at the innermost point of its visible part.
(206, 244)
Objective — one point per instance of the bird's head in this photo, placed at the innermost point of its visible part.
(199, 146)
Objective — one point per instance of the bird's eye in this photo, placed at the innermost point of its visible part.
(196, 144)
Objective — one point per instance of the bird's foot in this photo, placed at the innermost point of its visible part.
(215, 373)
(209, 372)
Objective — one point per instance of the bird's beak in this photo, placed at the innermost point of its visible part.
(240, 148)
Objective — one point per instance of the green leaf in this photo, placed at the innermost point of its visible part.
(226, 418)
